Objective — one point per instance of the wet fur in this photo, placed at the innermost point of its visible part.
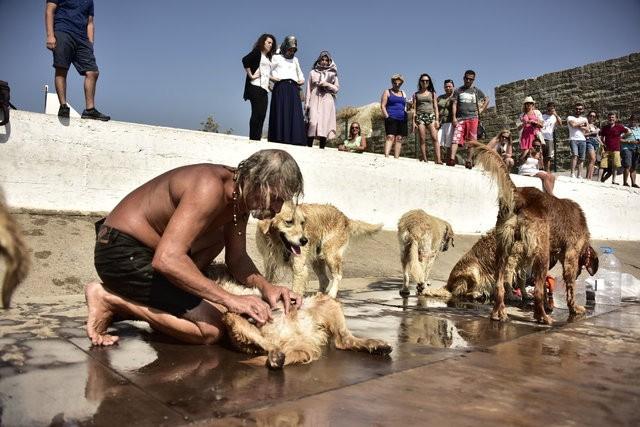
(298, 337)
(319, 233)
(422, 237)
(474, 275)
(539, 229)
(14, 251)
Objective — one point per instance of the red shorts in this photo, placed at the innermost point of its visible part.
(466, 130)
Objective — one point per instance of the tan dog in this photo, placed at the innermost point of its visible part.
(308, 232)
(474, 275)
(422, 237)
(298, 337)
(539, 229)
(14, 251)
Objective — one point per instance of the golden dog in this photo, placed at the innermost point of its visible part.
(422, 237)
(14, 251)
(474, 275)
(308, 232)
(539, 229)
(298, 337)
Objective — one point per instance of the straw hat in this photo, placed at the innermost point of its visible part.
(397, 77)
(528, 99)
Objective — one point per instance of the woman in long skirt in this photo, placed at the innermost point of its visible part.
(286, 120)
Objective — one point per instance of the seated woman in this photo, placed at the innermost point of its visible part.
(532, 167)
(356, 142)
(503, 145)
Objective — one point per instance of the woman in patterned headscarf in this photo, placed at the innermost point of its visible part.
(320, 100)
(286, 120)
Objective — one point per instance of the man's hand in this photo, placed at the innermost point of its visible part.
(251, 305)
(51, 43)
(273, 294)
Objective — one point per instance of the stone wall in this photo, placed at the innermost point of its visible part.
(607, 86)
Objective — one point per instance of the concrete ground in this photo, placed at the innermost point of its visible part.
(451, 365)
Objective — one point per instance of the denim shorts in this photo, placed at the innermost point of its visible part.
(578, 148)
(74, 50)
(592, 144)
(124, 266)
(629, 158)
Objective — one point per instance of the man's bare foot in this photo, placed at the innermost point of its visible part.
(100, 316)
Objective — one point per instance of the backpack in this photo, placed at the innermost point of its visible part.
(4, 102)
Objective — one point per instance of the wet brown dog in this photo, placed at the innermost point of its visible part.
(474, 275)
(422, 237)
(308, 233)
(539, 229)
(298, 337)
(14, 251)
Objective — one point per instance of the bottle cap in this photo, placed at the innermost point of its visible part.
(606, 250)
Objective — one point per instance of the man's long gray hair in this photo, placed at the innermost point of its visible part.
(271, 173)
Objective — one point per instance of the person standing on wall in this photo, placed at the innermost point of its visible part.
(322, 87)
(426, 116)
(70, 36)
(445, 133)
(286, 119)
(257, 65)
(466, 110)
(551, 120)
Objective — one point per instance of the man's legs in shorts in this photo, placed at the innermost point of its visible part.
(626, 157)
(470, 134)
(547, 155)
(458, 139)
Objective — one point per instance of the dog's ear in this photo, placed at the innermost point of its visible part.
(590, 261)
(451, 235)
(263, 225)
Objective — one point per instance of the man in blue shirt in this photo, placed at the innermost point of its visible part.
(70, 36)
(629, 152)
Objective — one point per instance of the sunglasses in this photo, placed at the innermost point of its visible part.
(537, 147)
(355, 128)
(424, 81)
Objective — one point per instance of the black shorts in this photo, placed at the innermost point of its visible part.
(395, 127)
(71, 49)
(124, 266)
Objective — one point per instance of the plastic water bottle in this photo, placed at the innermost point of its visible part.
(608, 281)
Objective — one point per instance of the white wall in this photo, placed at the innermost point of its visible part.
(48, 163)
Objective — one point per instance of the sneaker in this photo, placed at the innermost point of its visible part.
(451, 162)
(636, 186)
(468, 165)
(94, 114)
(573, 175)
(579, 177)
(63, 111)
(625, 184)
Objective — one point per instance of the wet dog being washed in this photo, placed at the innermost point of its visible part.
(298, 337)
(541, 230)
(422, 237)
(313, 233)
(14, 251)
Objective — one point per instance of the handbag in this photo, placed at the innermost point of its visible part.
(541, 138)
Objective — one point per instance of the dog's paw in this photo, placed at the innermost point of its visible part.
(275, 359)
(545, 320)
(419, 288)
(499, 316)
(577, 309)
(381, 348)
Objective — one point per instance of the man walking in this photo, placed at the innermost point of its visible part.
(70, 36)
(468, 103)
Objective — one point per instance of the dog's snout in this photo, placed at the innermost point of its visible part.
(303, 241)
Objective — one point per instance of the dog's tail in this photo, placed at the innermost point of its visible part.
(492, 163)
(360, 228)
(15, 252)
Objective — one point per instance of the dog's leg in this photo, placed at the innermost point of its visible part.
(335, 322)
(321, 271)
(300, 273)
(570, 266)
(540, 263)
(406, 268)
(247, 338)
(499, 311)
(334, 263)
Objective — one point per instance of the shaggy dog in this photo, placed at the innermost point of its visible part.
(474, 276)
(298, 337)
(308, 232)
(422, 237)
(14, 251)
(540, 230)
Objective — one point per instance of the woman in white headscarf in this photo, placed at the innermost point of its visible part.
(286, 119)
(320, 100)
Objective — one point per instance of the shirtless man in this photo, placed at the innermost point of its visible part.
(152, 249)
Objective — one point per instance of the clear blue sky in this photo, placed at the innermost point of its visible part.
(174, 63)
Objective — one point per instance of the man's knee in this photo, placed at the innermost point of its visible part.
(92, 75)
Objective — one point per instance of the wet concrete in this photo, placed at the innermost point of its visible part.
(450, 365)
